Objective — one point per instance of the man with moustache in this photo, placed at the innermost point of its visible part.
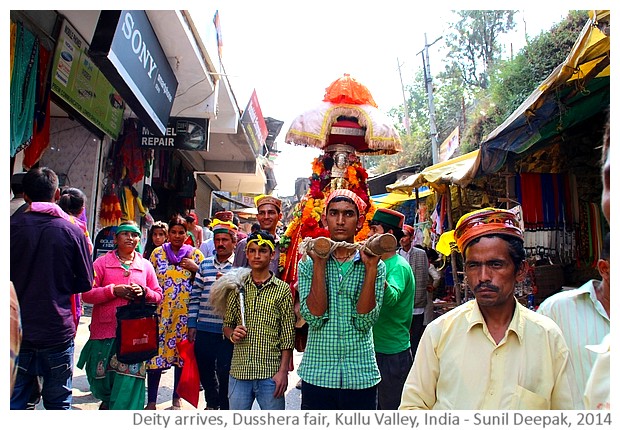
(491, 352)
(205, 328)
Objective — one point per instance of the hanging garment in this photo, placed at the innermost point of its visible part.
(23, 88)
(41, 132)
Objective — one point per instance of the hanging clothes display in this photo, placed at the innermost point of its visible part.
(23, 88)
(551, 215)
(41, 132)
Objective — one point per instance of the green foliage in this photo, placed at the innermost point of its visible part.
(477, 91)
(473, 44)
(513, 81)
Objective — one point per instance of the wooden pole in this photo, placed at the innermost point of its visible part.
(453, 254)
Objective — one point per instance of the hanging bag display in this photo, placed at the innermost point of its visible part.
(137, 331)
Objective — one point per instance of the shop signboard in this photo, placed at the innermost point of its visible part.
(104, 241)
(190, 134)
(254, 124)
(79, 83)
(126, 49)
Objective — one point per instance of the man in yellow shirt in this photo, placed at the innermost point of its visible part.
(491, 352)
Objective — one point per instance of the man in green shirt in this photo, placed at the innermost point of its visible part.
(340, 298)
(391, 331)
(260, 323)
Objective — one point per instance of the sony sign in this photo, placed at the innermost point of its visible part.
(126, 49)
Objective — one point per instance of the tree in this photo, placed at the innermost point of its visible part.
(473, 46)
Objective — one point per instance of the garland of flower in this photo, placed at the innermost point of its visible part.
(307, 213)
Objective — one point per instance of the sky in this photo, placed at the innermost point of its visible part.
(289, 54)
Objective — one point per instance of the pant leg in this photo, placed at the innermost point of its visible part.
(264, 389)
(26, 381)
(394, 369)
(417, 328)
(364, 399)
(205, 352)
(315, 398)
(240, 394)
(57, 371)
(224, 351)
(153, 376)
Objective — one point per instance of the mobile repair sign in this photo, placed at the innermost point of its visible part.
(126, 49)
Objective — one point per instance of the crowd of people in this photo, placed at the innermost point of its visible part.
(372, 339)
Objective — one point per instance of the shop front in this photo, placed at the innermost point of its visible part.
(127, 106)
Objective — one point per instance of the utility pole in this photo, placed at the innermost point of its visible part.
(428, 79)
(402, 87)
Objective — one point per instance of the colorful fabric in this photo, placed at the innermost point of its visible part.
(340, 352)
(390, 217)
(481, 222)
(128, 227)
(459, 366)
(121, 386)
(176, 257)
(41, 128)
(176, 285)
(583, 321)
(260, 241)
(23, 88)
(391, 331)
(219, 226)
(361, 205)
(241, 259)
(270, 321)
(200, 315)
(222, 216)
(266, 199)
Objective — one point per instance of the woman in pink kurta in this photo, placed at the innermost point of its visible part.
(121, 275)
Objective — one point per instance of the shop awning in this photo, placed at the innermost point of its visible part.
(388, 200)
(576, 90)
(458, 170)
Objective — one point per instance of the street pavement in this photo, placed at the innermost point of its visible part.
(84, 400)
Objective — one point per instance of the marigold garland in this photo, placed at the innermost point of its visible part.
(307, 214)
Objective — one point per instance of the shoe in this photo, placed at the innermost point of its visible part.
(151, 406)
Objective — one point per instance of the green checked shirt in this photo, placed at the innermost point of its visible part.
(340, 353)
(270, 321)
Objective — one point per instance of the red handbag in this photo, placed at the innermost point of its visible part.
(137, 332)
(189, 384)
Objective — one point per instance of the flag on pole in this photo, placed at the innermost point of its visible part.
(218, 33)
